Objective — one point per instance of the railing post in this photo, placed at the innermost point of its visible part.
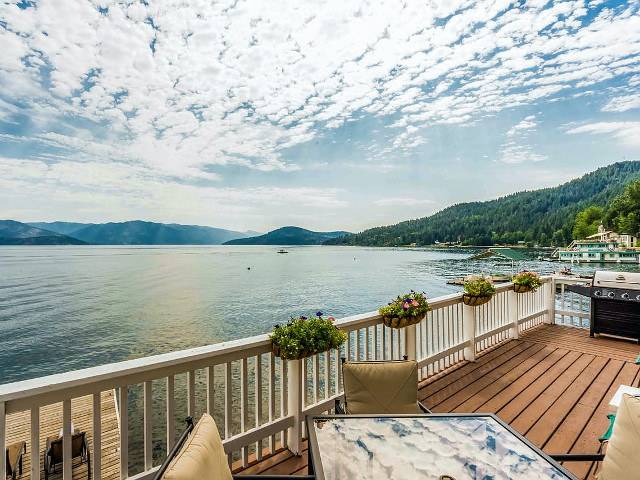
(410, 342)
(294, 395)
(513, 312)
(550, 301)
(469, 330)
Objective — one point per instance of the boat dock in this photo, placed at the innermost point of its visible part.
(19, 429)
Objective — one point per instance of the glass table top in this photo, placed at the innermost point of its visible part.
(426, 447)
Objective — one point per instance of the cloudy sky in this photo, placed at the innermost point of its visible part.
(253, 114)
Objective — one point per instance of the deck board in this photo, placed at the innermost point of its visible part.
(553, 385)
(19, 429)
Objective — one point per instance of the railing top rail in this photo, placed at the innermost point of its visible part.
(159, 366)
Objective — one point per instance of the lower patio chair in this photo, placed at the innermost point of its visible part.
(14, 459)
(621, 460)
(199, 454)
(380, 387)
(79, 453)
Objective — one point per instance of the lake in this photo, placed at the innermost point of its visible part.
(63, 308)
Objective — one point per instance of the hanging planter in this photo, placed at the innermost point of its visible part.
(405, 310)
(395, 322)
(478, 292)
(522, 288)
(303, 337)
(526, 281)
(475, 300)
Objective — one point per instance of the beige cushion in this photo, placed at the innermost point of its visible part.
(622, 459)
(381, 387)
(202, 455)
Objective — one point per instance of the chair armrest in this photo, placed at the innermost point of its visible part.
(423, 408)
(577, 457)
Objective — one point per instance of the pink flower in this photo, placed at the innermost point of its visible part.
(414, 303)
(406, 305)
(331, 319)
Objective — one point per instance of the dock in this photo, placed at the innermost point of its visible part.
(19, 429)
(552, 385)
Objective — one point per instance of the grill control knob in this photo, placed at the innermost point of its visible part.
(611, 294)
(637, 297)
(625, 296)
(597, 293)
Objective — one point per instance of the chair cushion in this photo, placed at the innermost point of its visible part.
(622, 460)
(381, 387)
(202, 455)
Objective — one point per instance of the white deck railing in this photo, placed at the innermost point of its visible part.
(258, 400)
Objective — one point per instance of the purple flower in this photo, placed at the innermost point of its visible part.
(303, 318)
(318, 313)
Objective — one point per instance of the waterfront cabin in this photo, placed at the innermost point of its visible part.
(598, 251)
(527, 358)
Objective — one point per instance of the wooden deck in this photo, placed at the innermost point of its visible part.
(553, 385)
(19, 428)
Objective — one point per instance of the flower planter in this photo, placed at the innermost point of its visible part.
(522, 288)
(395, 322)
(302, 354)
(474, 300)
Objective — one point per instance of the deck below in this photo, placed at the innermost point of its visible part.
(553, 385)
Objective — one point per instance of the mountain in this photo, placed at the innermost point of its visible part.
(149, 233)
(65, 228)
(18, 233)
(544, 217)
(288, 236)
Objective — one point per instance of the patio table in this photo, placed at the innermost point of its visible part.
(462, 446)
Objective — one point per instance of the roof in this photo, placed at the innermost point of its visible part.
(508, 253)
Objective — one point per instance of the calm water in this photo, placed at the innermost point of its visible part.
(64, 308)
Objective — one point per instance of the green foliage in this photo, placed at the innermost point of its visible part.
(587, 222)
(406, 306)
(544, 217)
(311, 335)
(528, 279)
(483, 287)
(623, 215)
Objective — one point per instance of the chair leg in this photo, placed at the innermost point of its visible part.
(88, 464)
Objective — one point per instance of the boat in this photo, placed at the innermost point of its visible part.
(494, 277)
(282, 251)
(603, 247)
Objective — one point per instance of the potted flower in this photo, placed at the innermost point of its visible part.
(405, 310)
(526, 281)
(302, 337)
(478, 292)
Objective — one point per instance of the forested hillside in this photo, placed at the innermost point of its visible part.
(543, 217)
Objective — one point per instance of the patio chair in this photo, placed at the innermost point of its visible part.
(379, 387)
(199, 453)
(621, 460)
(14, 459)
(52, 456)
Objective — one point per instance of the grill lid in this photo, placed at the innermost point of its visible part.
(607, 279)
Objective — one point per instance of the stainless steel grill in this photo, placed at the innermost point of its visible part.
(615, 303)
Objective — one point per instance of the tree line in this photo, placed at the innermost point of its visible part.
(543, 217)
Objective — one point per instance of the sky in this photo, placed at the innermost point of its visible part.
(331, 115)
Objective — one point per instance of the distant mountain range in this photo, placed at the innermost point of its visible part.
(124, 233)
(17, 233)
(288, 236)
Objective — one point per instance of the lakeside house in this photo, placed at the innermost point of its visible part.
(602, 247)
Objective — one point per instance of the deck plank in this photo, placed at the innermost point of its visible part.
(553, 385)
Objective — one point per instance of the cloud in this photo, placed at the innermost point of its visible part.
(402, 201)
(628, 133)
(514, 153)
